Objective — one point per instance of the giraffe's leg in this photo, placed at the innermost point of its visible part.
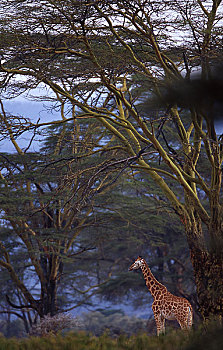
(183, 324)
(186, 320)
(160, 323)
(189, 319)
(163, 324)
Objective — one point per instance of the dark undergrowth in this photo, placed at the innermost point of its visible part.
(210, 338)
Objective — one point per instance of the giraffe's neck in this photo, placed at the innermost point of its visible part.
(153, 285)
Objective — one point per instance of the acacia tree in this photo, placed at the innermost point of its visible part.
(89, 241)
(104, 58)
(46, 200)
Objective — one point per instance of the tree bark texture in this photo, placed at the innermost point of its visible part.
(208, 273)
(48, 301)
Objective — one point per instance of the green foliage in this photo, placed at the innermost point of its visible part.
(177, 340)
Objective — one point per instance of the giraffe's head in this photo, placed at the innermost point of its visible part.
(137, 264)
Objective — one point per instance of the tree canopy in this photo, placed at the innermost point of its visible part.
(112, 63)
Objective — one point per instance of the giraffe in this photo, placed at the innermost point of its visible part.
(165, 305)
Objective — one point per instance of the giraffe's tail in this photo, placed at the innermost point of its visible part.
(190, 317)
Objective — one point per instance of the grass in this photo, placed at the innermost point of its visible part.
(211, 339)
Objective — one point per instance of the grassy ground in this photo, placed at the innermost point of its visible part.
(211, 339)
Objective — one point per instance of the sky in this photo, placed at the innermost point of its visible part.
(32, 110)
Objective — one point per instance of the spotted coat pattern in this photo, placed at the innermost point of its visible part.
(165, 305)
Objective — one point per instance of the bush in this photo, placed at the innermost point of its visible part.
(53, 324)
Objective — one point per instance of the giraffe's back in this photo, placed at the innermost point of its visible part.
(174, 307)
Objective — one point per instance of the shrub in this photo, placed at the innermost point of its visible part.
(53, 324)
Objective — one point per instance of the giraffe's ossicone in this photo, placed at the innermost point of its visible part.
(165, 304)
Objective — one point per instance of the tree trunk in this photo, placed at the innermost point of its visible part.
(48, 301)
(208, 273)
(48, 304)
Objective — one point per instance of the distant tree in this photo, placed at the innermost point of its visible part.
(46, 200)
(113, 322)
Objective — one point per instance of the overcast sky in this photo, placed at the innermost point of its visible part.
(32, 110)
